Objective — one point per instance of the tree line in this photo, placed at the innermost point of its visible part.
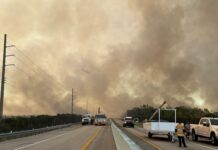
(183, 113)
(20, 123)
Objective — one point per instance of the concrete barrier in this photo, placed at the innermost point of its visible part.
(19, 134)
(122, 141)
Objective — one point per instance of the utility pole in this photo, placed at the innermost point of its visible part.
(99, 110)
(87, 105)
(72, 102)
(3, 76)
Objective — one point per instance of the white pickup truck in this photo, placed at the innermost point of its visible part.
(207, 128)
(87, 119)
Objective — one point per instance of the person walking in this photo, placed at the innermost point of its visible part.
(180, 134)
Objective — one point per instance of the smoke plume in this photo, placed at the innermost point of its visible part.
(115, 54)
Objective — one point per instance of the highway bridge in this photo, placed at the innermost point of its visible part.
(90, 137)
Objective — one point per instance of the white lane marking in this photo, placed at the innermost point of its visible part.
(204, 146)
(48, 139)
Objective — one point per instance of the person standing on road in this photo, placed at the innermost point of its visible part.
(180, 134)
(187, 129)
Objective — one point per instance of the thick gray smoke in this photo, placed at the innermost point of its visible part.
(115, 54)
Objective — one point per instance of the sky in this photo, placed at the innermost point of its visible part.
(116, 54)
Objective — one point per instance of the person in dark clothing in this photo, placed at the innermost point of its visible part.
(187, 129)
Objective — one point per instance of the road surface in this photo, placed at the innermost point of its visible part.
(76, 137)
(162, 143)
(92, 137)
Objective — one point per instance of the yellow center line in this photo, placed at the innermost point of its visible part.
(91, 139)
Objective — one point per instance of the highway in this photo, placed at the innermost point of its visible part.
(76, 137)
(137, 134)
(90, 137)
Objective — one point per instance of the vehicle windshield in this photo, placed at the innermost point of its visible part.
(85, 116)
(100, 116)
(214, 121)
(128, 119)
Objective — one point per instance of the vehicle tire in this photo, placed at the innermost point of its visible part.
(213, 139)
(149, 135)
(194, 136)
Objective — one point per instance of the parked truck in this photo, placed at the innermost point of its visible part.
(207, 128)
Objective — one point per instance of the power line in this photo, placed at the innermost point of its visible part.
(21, 70)
(26, 73)
(26, 64)
(25, 55)
(20, 60)
(4, 70)
(39, 68)
(35, 69)
(31, 60)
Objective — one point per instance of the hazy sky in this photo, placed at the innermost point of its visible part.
(116, 54)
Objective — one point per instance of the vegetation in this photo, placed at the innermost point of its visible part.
(184, 114)
(20, 123)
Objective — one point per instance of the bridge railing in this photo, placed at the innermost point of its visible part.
(122, 141)
(13, 135)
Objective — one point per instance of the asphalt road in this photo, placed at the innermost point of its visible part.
(76, 137)
(92, 137)
(104, 141)
(137, 134)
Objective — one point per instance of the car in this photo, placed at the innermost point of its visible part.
(100, 119)
(207, 128)
(128, 122)
(87, 119)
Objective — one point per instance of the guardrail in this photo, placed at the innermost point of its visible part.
(13, 135)
(122, 141)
